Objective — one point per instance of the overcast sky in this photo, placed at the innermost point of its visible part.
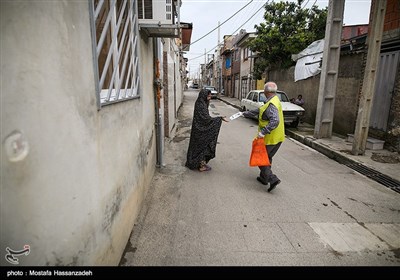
(205, 14)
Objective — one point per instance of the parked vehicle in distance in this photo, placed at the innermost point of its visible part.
(195, 85)
(291, 112)
(213, 91)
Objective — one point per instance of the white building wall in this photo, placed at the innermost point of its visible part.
(244, 67)
(171, 84)
(178, 78)
(75, 196)
(175, 91)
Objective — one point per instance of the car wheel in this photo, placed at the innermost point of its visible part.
(295, 123)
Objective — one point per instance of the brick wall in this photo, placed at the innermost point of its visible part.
(392, 16)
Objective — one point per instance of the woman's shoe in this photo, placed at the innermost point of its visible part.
(205, 168)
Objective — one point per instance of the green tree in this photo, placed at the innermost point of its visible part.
(287, 30)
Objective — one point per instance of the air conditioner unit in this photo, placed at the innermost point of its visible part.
(156, 12)
(157, 17)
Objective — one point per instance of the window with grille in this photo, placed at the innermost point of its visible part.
(145, 8)
(168, 6)
(116, 47)
(246, 53)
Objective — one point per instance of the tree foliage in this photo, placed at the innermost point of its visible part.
(287, 30)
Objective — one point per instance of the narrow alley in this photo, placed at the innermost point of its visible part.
(322, 214)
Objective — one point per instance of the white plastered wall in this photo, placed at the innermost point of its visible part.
(75, 195)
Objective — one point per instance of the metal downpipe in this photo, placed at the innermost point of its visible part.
(157, 100)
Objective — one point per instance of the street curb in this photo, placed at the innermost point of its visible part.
(310, 142)
(358, 166)
(233, 105)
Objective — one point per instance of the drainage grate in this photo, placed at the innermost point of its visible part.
(376, 176)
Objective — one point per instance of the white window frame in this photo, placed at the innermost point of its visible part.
(123, 82)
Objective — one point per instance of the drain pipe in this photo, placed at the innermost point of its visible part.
(157, 104)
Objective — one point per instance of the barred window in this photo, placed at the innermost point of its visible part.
(116, 47)
(246, 53)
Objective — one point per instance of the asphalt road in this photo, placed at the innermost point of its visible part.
(322, 214)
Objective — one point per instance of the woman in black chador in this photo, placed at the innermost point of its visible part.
(204, 134)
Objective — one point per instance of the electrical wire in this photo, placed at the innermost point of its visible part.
(221, 23)
(305, 4)
(233, 31)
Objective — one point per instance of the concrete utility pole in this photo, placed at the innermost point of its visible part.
(203, 71)
(329, 71)
(219, 65)
(375, 31)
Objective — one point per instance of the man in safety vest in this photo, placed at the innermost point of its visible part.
(271, 128)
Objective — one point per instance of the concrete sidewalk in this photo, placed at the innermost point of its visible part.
(322, 214)
(382, 166)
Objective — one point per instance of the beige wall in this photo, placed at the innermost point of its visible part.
(245, 66)
(76, 194)
(175, 92)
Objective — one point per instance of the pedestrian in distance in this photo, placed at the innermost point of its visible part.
(204, 134)
(271, 129)
(299, 100)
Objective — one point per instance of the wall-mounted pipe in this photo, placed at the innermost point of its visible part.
(157, 103)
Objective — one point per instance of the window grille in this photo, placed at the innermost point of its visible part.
(246, 53)
(168, 6)
(145, 8)
(115, 39)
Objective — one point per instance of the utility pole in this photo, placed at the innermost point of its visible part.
(329, 71)
(219, 69)
(218, 33)
(204, 68)
(374, 39)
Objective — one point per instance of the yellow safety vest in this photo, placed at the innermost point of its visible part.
(278, 134)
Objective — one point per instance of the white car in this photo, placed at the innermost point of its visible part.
(291, 112)
(213, 91)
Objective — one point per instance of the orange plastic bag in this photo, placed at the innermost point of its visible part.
(259, 156)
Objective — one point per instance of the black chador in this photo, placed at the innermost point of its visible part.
(204, 134)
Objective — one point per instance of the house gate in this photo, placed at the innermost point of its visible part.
(236, 91)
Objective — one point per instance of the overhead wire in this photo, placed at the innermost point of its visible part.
(221, 23)
(255, 18)
(238, 19)
(305, 4)
(243, 16)
(232, 32)
(243, 25)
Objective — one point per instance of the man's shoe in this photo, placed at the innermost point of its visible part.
(273, 185)
(261, 181)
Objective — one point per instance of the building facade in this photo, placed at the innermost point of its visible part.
(82, 126)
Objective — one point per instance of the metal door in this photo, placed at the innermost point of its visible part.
(244, 90)
(388, 67)
(228, 89)
(236, 89)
